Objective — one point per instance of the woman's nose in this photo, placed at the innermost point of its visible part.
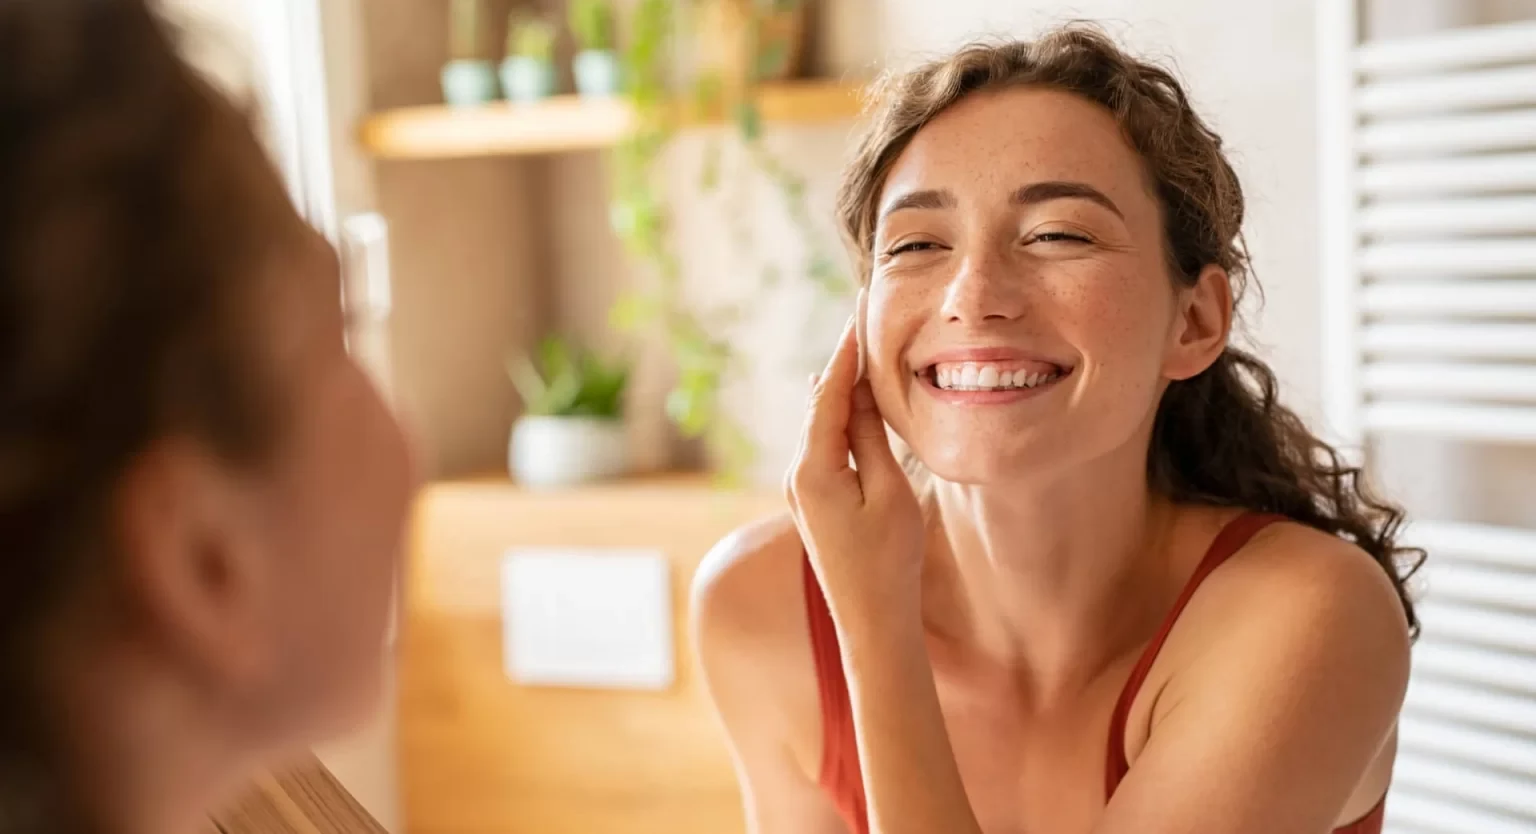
(986, 286)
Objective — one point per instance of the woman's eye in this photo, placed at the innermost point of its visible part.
(1057, 237)
(914, 246)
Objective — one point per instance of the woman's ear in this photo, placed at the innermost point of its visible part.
(189, 568)
(1204, 321)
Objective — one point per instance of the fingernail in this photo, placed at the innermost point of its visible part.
(814, 376)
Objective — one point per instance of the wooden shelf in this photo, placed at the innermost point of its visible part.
(571, 123)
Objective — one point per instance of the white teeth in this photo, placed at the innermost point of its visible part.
(978, 377)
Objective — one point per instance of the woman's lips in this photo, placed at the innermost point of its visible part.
(991, 383)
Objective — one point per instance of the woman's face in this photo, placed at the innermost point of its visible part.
(1021, 314)
(330, 511)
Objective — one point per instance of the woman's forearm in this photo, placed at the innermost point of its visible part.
(911, 782)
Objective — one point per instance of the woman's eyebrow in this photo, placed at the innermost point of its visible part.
(1032, 194)
(1043, 192)
(927, 198)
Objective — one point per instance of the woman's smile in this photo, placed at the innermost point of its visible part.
(989, 376)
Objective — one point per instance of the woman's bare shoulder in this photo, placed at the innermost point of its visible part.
(1294, 573)
(750, 584)
(1302, 628)
(754, 645)
(1295, 588)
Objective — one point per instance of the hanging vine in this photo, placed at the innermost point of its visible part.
(640, 217)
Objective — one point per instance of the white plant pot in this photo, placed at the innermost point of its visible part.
(526, 79)
(597, 73)
(562, 451)
(467, 83)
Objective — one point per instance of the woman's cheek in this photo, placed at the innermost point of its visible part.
(887, 374)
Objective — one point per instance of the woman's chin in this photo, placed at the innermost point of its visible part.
(979, 465)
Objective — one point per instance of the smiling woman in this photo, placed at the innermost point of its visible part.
(1120, 588)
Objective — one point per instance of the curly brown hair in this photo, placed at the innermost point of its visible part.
(1222, 437)
(137, 209)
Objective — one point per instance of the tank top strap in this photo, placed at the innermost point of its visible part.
(1231, 539)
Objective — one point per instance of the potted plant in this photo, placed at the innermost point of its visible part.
(778, 38)
(732, 46)
(572, 428)
(748, 42)
(596, 65)
(528, 70)
(469, 77)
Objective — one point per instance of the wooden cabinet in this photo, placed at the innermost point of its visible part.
(479, 753)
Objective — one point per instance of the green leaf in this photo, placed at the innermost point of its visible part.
(569, 382)
(526, 380)
(732, 450)
(825, 274)
(633, 310)
(772, 57)
(794, 188)
(709, 175)
(689, 410)
(554, 356)
(621, 218)
(531, 36)
(708, 90)
(749, 120)
(591, 23)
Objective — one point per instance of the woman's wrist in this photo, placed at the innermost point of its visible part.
(879, 628)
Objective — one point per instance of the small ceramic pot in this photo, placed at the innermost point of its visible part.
(527, 79)
(469, 83)
(597, 73)
(549, 452)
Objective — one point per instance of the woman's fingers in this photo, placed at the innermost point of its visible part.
(871, 447)
(825, 444)
(866, 428)
(860, 331)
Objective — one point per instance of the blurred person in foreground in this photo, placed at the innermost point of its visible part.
(1120, 588)
(202, 496)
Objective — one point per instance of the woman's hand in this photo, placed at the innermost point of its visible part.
(861, 523)
(864, 531)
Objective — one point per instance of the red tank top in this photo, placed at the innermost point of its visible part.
(840, 777)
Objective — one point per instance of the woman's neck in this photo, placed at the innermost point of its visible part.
(1057, 577)
(135, 755)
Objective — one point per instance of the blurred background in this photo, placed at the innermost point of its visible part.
(590, 251)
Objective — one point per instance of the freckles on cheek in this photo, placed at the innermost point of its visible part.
(1119, 330)
(888, 331)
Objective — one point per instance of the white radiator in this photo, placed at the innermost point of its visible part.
(1428, 155)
